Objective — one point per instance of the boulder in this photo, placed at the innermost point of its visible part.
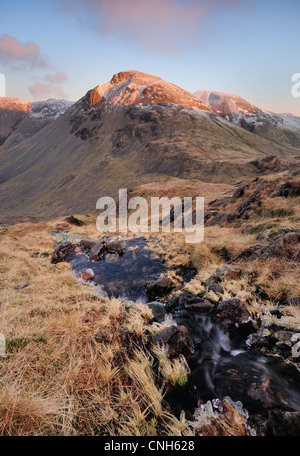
(62, 252)
(177, 338)
(115, 247)
(232, 313)
(88, 243)
(158, 310)
(161, 287)
(97, 251)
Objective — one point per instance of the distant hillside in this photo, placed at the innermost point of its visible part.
(133, 130)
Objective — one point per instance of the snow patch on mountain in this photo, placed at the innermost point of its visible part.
(50, 109)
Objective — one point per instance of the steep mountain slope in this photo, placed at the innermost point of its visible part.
(133, 130)
(20, 119)
(280, 128)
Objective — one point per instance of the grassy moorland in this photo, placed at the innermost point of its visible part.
(77, 364)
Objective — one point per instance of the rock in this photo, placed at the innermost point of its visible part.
(22, 285)
(160, 287)
(88, 243)
(227, 272)
(216, 288)
(115, 246)
(177, 338)
(232, 313)
(222, 218)
(88, 274)
(242, 207)
(62, 252)
(204, 306)
(284, 423)
(112, 257)
(249, 254)
(265, 236)
(240, 191)
(97, 251)
(286, 246)
(74, 221)
(158, 310)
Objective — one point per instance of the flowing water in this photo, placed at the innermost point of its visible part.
(223, 365)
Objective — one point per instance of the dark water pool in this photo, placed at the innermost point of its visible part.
(124, 276)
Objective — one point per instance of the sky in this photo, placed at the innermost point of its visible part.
(63, 48)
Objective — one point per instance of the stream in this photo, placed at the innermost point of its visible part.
(223, 364)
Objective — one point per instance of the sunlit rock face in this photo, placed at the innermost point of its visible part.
(133, 87)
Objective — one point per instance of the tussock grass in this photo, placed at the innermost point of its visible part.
(75, 365)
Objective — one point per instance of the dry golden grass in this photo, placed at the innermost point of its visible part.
(75, 365)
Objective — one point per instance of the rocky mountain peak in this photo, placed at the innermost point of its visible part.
(133, 87)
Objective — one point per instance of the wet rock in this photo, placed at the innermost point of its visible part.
(88, 274)
(158, 310)
(74, 221)
(62, 252)
(284, 423)
(22, 285)
(160, 287)
(112, 257)
(115, 246)
(177, 338)
(203, 307)
(88, 243)
(232, 313)
(97, 251)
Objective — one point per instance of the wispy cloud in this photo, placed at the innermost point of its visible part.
(20, 55)
(162, 25)
(57, 78)
(41, 91)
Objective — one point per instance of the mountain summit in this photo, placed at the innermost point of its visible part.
(132, 87)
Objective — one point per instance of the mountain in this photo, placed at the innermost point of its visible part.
(133, 130)
(20, 119)
(281, 128)
(132, 87)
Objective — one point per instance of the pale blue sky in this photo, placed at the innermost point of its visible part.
(245, 47)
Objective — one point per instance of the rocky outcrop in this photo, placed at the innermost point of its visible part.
(287, 246)
(177, 339)
(62, 252)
